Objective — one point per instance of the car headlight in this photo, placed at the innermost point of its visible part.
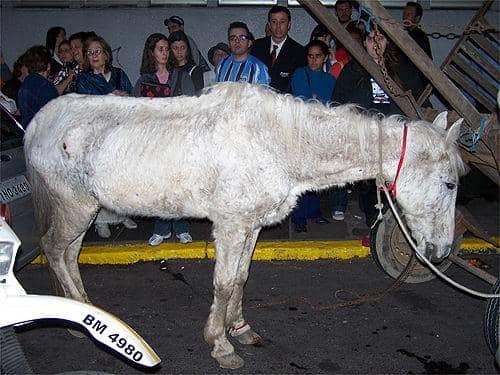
(6, 257)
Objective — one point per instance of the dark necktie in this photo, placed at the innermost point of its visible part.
(273, 55)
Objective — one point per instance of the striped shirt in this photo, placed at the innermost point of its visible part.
(252, 70)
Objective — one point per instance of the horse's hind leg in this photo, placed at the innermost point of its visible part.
(71, 259)
(238, 327)
(61, 245)
(229, 243)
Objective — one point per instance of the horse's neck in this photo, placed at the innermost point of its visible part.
(345, 151)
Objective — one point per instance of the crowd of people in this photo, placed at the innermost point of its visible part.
(173, 65)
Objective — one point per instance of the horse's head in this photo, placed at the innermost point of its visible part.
(427, 186)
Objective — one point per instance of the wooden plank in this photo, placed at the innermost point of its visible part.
(456, 76)
(475, 75)
(475, 55)
(358, 52)
(477, 17)
(445, 87)
(485, 43)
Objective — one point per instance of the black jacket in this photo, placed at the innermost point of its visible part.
(291, 56)
(422, 40)
(354, 86)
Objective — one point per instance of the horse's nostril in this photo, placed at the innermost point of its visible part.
(437, 259)
(429, 251)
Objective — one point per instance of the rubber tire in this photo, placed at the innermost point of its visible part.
(383, 255)
(491, 323)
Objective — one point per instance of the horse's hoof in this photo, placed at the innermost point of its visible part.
(231, 361)
(249, 338)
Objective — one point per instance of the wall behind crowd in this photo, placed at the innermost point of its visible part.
(127, 28)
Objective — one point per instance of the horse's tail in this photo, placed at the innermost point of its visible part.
(42, 200)
(40, 192)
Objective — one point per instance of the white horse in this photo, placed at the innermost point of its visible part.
(239, 155)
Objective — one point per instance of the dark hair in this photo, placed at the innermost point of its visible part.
(106, 49)
(418, 8)
(352, 28)
(277, 9)
(238, 25)
(180, 36)
(16, 67)
(339, 2)
(50, 38)
(320, 31)
(148, 64)
(317, 43)
(392, 54)
(65, 41)
(82, 35)
(36, 58)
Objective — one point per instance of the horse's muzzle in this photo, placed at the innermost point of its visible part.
(434, 255)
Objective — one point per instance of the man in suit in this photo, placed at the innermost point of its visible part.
(281, 54)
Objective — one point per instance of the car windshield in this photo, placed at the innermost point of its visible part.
(11, 135)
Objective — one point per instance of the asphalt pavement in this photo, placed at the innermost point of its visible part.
(302, 310)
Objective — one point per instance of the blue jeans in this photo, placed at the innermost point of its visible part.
(163, 227)
(308, 207)
(338, 199)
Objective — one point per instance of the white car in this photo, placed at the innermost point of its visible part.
(15, 190)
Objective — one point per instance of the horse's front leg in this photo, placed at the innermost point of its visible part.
(238, 327)
(229, 244)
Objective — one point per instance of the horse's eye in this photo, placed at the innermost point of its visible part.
(450, 186)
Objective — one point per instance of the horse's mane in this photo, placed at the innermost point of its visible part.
(431, 138)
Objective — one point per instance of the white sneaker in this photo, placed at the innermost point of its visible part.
(129, 223)
(157, 239)
(185, 237)
(103, 230)
(338, 215)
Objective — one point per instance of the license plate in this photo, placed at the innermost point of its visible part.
(14, 188)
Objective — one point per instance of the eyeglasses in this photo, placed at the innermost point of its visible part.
(239, 38)
(92, 52)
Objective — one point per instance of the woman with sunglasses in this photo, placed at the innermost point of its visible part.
(99, 76)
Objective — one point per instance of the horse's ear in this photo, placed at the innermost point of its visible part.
(453, 133)
(441, 120)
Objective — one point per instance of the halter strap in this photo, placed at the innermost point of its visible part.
(392, 187)
(380, 181)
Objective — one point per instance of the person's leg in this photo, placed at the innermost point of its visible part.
(313, 205)
(338, 202)
(161, 231)
(299, 215)
(182, 229)
(368, 200)
(314, 208)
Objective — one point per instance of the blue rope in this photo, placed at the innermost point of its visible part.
(365, 15)
(470, 138)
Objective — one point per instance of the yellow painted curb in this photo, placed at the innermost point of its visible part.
(298, 250)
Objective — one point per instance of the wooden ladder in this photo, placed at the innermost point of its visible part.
(473, 63)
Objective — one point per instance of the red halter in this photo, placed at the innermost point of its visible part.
(391, 188)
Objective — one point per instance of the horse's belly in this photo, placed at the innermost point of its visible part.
(151, 198)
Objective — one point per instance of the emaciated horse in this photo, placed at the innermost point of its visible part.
(239, 155)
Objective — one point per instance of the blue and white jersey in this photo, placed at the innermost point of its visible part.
(252, 70)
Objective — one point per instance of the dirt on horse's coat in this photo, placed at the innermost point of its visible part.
(239, 155)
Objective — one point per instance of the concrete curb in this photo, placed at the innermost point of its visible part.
(299, 250)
